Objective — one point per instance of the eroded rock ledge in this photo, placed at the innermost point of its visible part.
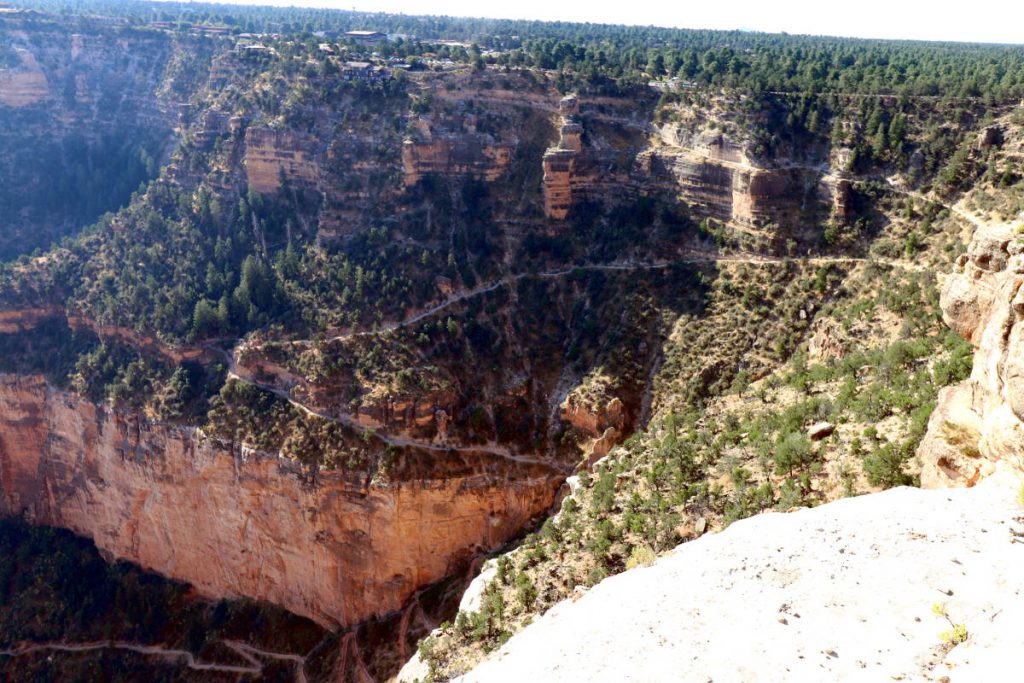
(977, 424)
(238, 523)
(844, 592)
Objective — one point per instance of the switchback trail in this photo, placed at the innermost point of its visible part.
(349, 421)
(250, 654)
(244, 650)
(692, 258)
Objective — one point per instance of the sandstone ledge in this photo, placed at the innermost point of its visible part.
(843, 592)
(980, 423)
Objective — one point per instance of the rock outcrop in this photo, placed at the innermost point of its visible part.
(410, 415)
(454, 155)
(722, 179)
(825, 343)
(979, 423)
(560, 161)
(233, 522)
(23, 86)
(593, 420)
(844, 591)
(273, 154)
(558, 170)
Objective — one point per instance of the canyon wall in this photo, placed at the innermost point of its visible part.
(24, 85)
(978, 425)
(476, 155)
(86, 115)
(239, 523)
(721, 179)
(272, 154)
(597, 150)
(605, 154)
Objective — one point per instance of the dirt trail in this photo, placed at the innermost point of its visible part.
(235, 372)
(693, 258)
(349, 421)
(959, 210)
(251, 652)
(244, 650)
(953, 208)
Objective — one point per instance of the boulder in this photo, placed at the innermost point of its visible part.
(820, 430)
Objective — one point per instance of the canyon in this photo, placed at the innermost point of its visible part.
(77, 108)
(329, 341)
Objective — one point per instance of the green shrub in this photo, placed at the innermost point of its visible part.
(884, 467)
(640, 556)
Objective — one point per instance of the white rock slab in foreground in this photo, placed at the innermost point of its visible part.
(843, 592)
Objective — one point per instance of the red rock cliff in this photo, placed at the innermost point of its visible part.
(245, 524)
(272, 153)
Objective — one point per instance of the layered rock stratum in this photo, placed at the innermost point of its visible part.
(978, 423)
(236, 522)
(25, 85)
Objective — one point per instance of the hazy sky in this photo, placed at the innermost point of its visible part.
(965, 20)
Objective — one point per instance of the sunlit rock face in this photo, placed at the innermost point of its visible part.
(232, 522)
(273, 155)
(839, 592)
(978, 424)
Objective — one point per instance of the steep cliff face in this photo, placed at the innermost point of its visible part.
(722, 179)
(475, 155)
(610, 152)
(25, 84)
(337, 549)
(559, 165)
(979, 423)
(560, 161)
(359, 164)
(537, 154)
(86, 113)
(272, 155)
